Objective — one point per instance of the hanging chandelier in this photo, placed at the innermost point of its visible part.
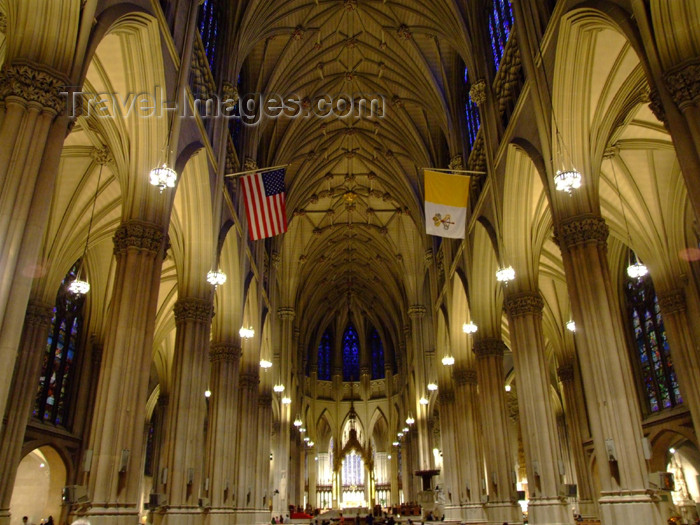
(432, 386)
(163, 177)
(264, 363)
(505, 275)
(409, 419)
(571, 326)
(423, 400)
(637, 270)
(246, 333)
(567, 180)
(286, 401)
(448, 360)
(297, 422)
(279, 388)
(216, 277)
(469, 328)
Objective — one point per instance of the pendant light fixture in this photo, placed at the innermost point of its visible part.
(80, 286)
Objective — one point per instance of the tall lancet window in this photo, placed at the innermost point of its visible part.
(500, 26)
(209, 29)
(377, 353)
(651, 345)
(325, 349)
(53, 396)
(471, 112)
(351, 354)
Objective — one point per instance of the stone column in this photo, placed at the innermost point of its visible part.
(469, 492)
(223, 428)
(394, 478)
(686, 362)
(607, 377)
(502, 498)
(31, 140)
(282, 466)
(577, 428)
(417, 313)
(539, 429)
(37, 321)
(184, 444)
(262, 476)
(313, 479)
(116, 439)
(247, 440)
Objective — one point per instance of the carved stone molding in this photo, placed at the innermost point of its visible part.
(478, 92)
(683, 82)
(139, 235)
(672, 301)
(34, 84)
(489, 348)
(224, 352)
(581, 229)
(463, 377)
(286, 313)
(523, 303)
(566, 373)
(38, 314)
(428, 258)
(416, 311)
(250, 164)
(364, 370)
(656, 106)
(102, 155)
(3, 22)
(230, 92)
(193, 309)
(457, 162)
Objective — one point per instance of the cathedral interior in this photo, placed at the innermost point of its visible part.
(162, 364)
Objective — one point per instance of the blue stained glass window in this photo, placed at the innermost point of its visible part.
(472, 114)
(53, 395)
(500, 26)
(658, 376)
(377, 353)
(351, 355)
(325, 349)
(353, 470)
(209, 29)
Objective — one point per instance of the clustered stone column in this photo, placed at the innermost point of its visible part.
(247, 443)
(37, 322)
(539, 430)
(417, 312)
(184, 441)
(610, 395)
(577, 428)
(469, 444)
(120, 408)
(223, 426)
(262, 470)
(502, 501)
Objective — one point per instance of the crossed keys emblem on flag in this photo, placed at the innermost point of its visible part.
(438, 219)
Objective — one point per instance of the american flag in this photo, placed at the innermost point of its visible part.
(264, 197)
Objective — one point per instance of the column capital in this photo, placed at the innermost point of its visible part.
(193, 309)
(229, 91)
(457, 162)
(249, 380)
(489, 347)
(478, 92)
(265, 400)
(38, 314)
(286, 313)
(139, 235)
(463, 377)
(226, 352)
(523, 303)
(446, 396)
(364, 370)
(683, 82)
(33, 83)
(671, 301)
(416, 311)
(656, 106)
(566, 373)
(581, 229)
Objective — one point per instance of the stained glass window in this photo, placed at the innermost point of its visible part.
(651, 346)
(150, 446)
(325, 349)
(500, 25)
(209, 29)
(53, 396)
(351, 355)
(353, 470)
(471, 113)
(377, 353)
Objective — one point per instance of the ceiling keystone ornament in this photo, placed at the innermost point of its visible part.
(404, 32)
(396, 101)
(581, 229)
(298, 33)
(478, 92)
(683, 82)
(350, 5)
(102, 155)
(523, 303)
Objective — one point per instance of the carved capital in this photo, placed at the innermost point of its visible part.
(264, 400)
(3, 22)
(193, 309)
(523, 303)
(416, 311)
(463, 377)
(656, 107)
(139, 235)
(364, 370)
(38, 314)
(478, 92)
(581, 229)
(672, 301)
(286, 313)
(489, 348)
(230, 92)
(224, 352)
(566, 373)
(249, 380)
(250, 164)
(33, 84)
(683, 82)
(457, 162)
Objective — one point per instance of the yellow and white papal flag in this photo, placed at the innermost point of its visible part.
(446, 204)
